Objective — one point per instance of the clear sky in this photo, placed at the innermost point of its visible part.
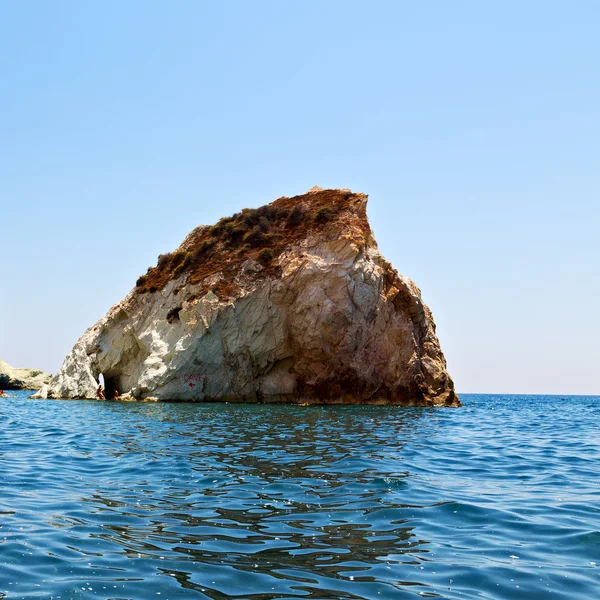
(473, 126)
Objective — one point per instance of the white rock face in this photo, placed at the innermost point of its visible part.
(326, 321)
(21, 379)
(42, 394)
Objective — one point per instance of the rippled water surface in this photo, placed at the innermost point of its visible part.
(498, 499)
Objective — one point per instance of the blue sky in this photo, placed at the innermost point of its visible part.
(473, 126)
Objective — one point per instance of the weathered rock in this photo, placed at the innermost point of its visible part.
(42, 394)
(291, 302)
(21, 379)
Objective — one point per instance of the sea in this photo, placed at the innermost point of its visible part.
(499, 499)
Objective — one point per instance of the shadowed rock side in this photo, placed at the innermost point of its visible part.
(291, 302)
(21, 379)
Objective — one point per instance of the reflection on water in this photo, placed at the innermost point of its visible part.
(494, 500)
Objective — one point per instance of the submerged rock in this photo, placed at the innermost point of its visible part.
(21, 379)
(291, 302)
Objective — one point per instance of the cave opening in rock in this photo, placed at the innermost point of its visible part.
(111, 384)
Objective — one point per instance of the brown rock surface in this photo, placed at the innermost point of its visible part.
(291, 302)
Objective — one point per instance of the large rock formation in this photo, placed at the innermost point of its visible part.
(21, 379)
(291, 302)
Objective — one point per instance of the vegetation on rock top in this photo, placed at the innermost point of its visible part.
(261, 234)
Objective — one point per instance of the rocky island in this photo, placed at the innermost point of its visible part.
(291, 303)
(21, 379)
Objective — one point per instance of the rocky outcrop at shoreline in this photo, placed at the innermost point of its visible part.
(291, 302)
(21, 379)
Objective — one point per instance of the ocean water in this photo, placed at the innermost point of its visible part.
(499, 500)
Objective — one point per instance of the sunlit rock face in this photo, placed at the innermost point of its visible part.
(21, 379)
(291, 303)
